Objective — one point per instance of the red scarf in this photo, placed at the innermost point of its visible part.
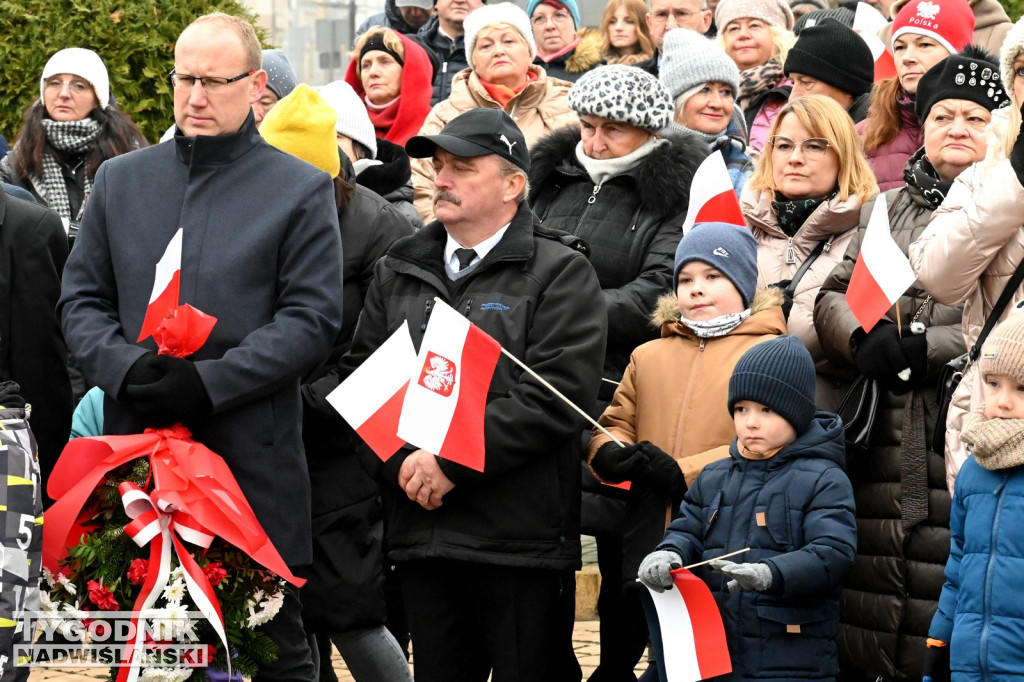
(502, 94)
(384, 119)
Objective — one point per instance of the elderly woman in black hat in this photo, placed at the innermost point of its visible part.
(903, 504)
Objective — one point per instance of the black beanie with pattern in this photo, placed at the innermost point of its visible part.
(778, 374)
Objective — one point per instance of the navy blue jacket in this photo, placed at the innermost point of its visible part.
(981, 607)
(795, 512)
(452, 56)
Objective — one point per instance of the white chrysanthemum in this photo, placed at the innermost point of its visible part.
(45, 603)
(269, 607)
(48, 577)
(63, 581)
(178, 573)
(175, 592)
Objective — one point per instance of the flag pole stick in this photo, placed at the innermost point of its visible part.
(614, 383)
(701, 563)
(559, 394)
(899, 320)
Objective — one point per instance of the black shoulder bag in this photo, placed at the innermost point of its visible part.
(953, 371)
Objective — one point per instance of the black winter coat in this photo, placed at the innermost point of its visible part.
(452, 56)
(632, 223)
(893, 589)
(348, 527)
(537, 298)
(33, 250)
(72, 166)
(795, 513)
(392, 179)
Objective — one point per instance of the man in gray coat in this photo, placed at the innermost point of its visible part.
(260, 252)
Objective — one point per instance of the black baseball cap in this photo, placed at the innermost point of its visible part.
(478, 132)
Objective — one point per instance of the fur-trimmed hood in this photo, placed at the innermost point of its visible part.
(393, 173)
(587, 54)
(662, 179)
(667, 310)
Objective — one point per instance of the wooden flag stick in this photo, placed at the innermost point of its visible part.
(899, 320)
(615, 383)
(564, 399)
(701, 563)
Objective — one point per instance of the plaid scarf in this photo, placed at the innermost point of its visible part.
(66, 136)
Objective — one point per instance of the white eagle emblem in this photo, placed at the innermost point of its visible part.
(438, 374)
(927, 10)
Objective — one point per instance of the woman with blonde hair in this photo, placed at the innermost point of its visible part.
(627, 39)
(892, 131)
(501, 75)
(803, 204)
(975, 242)
(757, 35)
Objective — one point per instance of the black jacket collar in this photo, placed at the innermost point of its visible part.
(213, 150)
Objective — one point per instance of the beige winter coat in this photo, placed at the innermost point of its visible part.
(968, 252)
(540, 108)
(991, 24)
(835, 222)
(675, 391)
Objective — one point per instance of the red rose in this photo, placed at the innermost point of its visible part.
(137, 571)
(101, 597)
(214, 573)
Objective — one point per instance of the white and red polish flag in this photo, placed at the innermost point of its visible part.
(166, 285)
(867, 22)
(447, 397)
(692, 635)
(712, 197)
(882, 273)
(371, 398)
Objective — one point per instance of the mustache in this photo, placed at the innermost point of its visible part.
(445, 195)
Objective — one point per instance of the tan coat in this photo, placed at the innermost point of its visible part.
(968, 252)
(675, 390)
(835, 221)
(991, 24)
(540, 108)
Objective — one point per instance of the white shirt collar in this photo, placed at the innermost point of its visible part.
(482, 249)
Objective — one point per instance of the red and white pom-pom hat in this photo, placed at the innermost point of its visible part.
(950, 22)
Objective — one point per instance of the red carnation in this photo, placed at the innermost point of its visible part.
(137, 571)
(101, 597)
(214, 573)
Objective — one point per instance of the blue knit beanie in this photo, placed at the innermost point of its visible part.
(779, 374)
(731, 249)
(570, 5)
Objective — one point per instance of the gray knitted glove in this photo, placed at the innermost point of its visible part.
(655, 569)
(744, 576)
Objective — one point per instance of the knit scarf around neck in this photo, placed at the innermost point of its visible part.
(716, 326)
(383, 117)
(921, 174)
(758, 79)
(600, 170)
(791, 215)
(547, 57)
(76, 138)
(502, 94)
(995, 443)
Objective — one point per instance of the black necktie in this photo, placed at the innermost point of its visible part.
(465, 257)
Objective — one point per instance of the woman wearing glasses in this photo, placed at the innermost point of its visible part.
(803, 203)
(68, 132)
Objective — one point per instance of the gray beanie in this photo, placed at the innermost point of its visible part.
(622, 93)
(779, 374)
(688, 59)
(731, 249)
(281, 77)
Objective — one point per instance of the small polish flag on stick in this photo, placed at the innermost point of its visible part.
(166, 285)
(370, 399)
(712, 197)
(882, 273)
(867, 22)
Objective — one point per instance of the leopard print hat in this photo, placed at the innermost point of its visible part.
(623, 93)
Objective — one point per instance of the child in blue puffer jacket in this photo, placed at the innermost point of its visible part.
(978, 629)
(782, 493)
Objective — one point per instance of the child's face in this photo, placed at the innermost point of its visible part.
(1004, 397)
(759, 429)
(705, 293)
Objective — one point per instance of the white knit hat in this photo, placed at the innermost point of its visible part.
(353, 121)
(501, 13)
(1013, 45)
(83, 63)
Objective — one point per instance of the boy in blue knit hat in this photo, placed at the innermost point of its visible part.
(783, 494)
(669, 409)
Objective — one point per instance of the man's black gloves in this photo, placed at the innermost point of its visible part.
(166, 390)
(663, 474)
(614, 463)
(643, 462)
(883, 355)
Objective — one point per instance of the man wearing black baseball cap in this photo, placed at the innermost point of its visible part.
(486, 559)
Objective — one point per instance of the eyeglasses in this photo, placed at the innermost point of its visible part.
(811, 147)
(558, 18)
(680, 15)
(209, 83)
(74, 87)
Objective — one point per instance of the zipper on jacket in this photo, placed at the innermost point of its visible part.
(426, 314)
(593, 197)
(700, 348)
(469, 306)
(989, 569)
(790, 253)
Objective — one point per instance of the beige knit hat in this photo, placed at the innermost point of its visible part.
(1003, 352)
(775, 12)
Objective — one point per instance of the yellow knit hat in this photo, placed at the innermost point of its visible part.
(302, 124)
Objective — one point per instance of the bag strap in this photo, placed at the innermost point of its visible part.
(997, 311)
(790, 290)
